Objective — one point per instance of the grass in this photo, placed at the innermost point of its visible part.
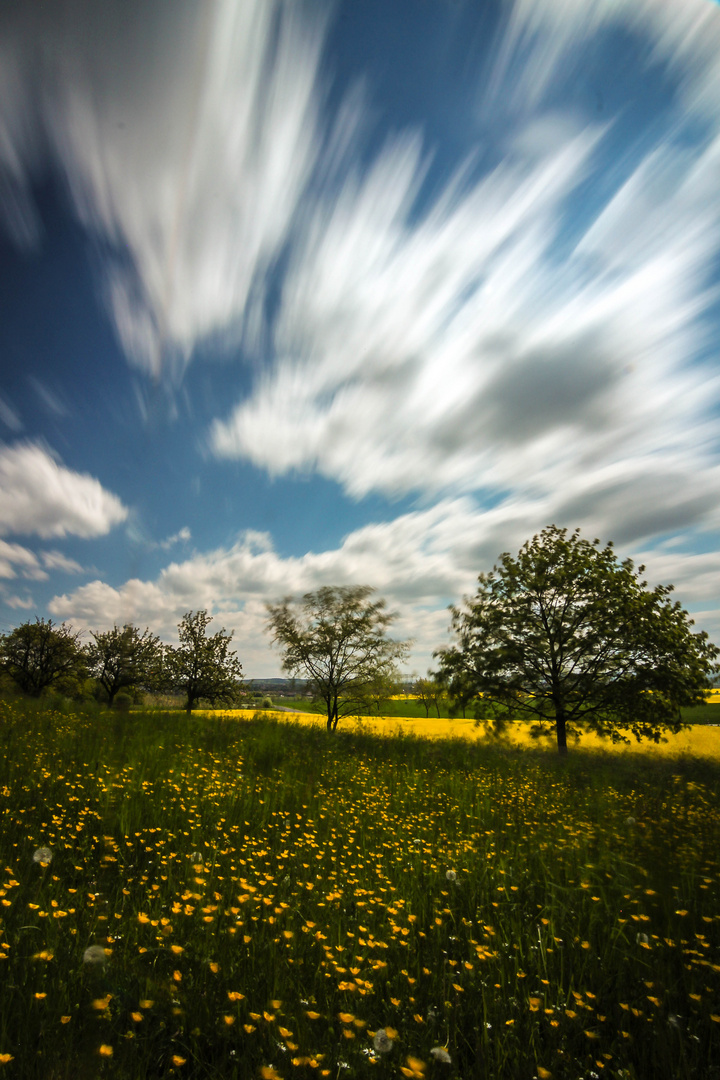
(262, 899)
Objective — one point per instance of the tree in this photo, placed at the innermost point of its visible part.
(123, 658)
(428, 691)
(568, 635)
(337, 638)
(41, 654)
(203, 667)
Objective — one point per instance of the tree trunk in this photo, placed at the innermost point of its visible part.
(560, 728)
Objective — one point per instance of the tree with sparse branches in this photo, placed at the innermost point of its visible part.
(123, 658)
(569, 636)
(41, 655)
(337, 638)
(203, 667)
(429, 692)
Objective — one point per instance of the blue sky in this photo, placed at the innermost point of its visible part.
(324, 293)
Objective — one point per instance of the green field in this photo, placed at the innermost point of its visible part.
(698, 714)
(261, 899)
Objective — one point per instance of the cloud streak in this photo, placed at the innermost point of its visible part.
(38, 495)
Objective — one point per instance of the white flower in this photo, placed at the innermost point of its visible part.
(440, 1054)
(43, 855)
(382, 1043)
(451, 875)
(94, 954)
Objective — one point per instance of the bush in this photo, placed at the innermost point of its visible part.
(266, 703)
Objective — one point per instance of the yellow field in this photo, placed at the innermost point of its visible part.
(698, 740)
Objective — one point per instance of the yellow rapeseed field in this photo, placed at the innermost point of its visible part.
(698, 740)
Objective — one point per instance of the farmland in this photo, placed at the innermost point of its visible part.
(211, 896)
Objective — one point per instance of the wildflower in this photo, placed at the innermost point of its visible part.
(543, 1074)
(65, 1019)
(94, 955)
(268, 1073)
(440, 1054)
(235, 995)
(105, 1050)
(641, 939)
(5, 1058)
(451, 875)
(44, 955)
(630, 820)
(382, 1042)
(196, 858)
(313, 1015)
(43, 855)
(178, 1061)
(415, 1068)
(229, 1020)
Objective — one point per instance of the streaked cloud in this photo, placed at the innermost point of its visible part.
(39, 495)
(187, 134)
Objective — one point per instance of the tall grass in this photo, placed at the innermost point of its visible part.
(262, 899)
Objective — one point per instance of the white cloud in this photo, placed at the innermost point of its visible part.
(55, 560)
(16, 559)
(421, 562)
(187, 134)
(39, 495)
(24, 603)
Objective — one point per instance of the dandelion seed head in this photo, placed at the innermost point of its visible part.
(440, 1054)
(451, 875)
(382, 1042)
(94, 955)
(43, 855)
(196, 858)
(642, 939)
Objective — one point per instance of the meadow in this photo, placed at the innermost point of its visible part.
(211, 896)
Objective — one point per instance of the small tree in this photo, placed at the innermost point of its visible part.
(428, 691)
(337, 638)
(124, 658)
(40, 655)
(568, 635)
(203, 667)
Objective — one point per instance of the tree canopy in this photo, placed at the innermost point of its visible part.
(337, 637)
(571, 637)
(123, 658)
(40, 655)
(203, 667)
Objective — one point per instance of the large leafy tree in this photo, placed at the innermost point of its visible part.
(203, 667)
(40, 654)
(124, 658)
(568, 635)
(337, 638)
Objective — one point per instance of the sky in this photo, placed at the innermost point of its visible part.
(317, 293)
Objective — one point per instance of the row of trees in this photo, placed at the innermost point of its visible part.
(563, 634)
(39, 656)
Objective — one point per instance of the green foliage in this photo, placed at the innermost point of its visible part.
(201, 667)
(123, 658)
(257, 889)
(337, 639)
(266, 703)
(568, 635)
(40, 655)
